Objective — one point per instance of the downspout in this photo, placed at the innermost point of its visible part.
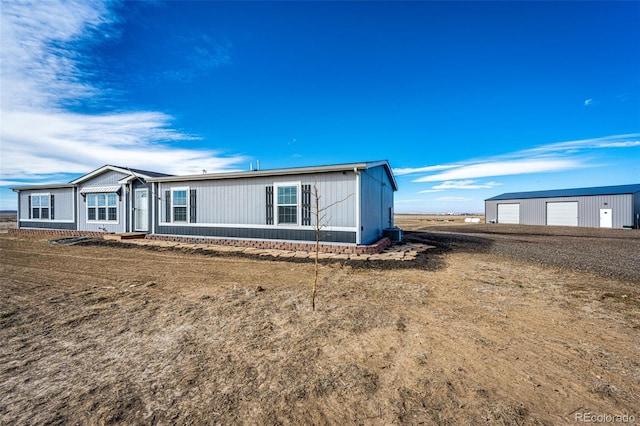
(358, 209)
(131, 205)
(76, 213)
(382, 208)
(155, 200)
(18, 209)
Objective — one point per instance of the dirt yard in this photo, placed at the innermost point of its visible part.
(475, 331)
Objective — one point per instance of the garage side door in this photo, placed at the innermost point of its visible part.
(509, 213)
(562, 214)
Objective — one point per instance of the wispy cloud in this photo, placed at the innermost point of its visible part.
(39, 40)
(615, 141)
(427, 169)
(44, 72)
(428, 191)
(502, 168)
(41, 144)
(549, 158)
(465, 184)
(588, 102)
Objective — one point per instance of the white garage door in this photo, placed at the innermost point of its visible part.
(562, 214)
(509, 213)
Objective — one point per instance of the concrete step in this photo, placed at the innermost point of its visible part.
(125, 236)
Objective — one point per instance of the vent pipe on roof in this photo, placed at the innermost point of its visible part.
(251, 166)
(258, 165)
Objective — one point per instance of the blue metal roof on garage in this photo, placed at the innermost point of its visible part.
(574, 192)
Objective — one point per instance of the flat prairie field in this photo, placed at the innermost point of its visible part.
(495, 325)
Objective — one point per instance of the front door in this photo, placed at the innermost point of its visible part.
(606, 218)
(141, 210)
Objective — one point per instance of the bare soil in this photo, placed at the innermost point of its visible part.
(483, 329)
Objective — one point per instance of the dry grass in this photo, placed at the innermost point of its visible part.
(101, 335)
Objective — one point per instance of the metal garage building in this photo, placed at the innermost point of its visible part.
(599, 207)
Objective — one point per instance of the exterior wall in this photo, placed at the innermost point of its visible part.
(63, 204)
(533, 211)
(589, 209)
(236, 208)
(376, 204)
(107, 178)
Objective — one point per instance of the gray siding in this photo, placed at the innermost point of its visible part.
(107, 178)
(376, 202)
(62, 204)
(533, 211)
(47, 225)
(242, 201)
(237, 208)
(589, 209)
(260, 233)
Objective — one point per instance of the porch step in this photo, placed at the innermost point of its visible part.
(125, 236)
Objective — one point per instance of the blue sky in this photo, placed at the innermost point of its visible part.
(466, 100)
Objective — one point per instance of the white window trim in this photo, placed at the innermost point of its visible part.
(30, 213)
(180, 188)
(103, 222)
(298, 186)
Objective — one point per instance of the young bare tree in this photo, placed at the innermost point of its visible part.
(319, 214)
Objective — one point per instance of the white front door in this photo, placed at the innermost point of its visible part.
(606, 218)
(141, 206)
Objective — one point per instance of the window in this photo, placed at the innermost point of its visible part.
(287, 200)
(112, 207)
(40, 206)
(179, 205)
(102, 207)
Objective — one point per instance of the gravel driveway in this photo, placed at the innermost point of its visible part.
(611, 253)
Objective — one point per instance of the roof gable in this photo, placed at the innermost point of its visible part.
(573, 192)
(130, 173)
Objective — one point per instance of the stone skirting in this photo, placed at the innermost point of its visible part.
(61, 232)
(278, 245)
(260, 244)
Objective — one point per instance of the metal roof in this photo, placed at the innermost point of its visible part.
(162, 177)
(574, 192)
(100, 189)
(145, 172)
(283, 172)
(43, 186)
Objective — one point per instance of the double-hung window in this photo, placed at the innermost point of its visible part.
(102, 207)
(179, 205)
(287, 205)
(40, 206)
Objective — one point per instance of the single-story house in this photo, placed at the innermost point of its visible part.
(356, 202)
(598, 207)
(109, 199)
